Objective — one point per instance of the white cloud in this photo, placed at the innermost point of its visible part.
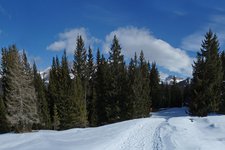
(67, 40)
(57, 46)
(193, 41)
(135, 39)
(163, 75)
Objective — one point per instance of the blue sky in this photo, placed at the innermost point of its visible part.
(169, 32)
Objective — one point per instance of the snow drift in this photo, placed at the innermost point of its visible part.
(168, 129)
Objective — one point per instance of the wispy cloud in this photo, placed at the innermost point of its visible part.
(67, 40)
(193, 41)
(180, 13)
(4, 12)
(35, 59)
(134, 39)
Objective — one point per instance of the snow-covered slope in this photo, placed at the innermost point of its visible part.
(169, 79)
(45, 74)
(168, 129)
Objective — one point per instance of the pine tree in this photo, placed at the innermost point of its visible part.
(80, 64)
(222, 106)
(79, 111)
(144, 69)
(53, 88)
(42, 104)
(137, 89)
(91, 92)
(123, 95)
(4, 125)
(167, 93)
(155, 87)
(19, 92)
(102, 87)
(116, 63)
(131, 96)
(65, 93)
(176, 95)
(80, 84)
(198, 105)
(56, 121)
(207, 78)
(61, 90)
(187, 93)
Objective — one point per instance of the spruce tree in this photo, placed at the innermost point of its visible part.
(42, 104)
(53, 88)
(144, 69)
(116, 63)
(61, 92)
(102, 89)
(138, 88)
(65, 93)
(91, 92)
(19, 92)
(80, 56)
(56, 121)
(4, 125)
(222, 105)
(131, 97)
(176, 95)
(80, 85)
(207, 78)
(79, 111)
(155, 86)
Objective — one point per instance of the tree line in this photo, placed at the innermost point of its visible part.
(105, 90)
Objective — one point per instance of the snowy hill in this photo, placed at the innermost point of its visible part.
(45, 74)
(169, 79)
(168, 129)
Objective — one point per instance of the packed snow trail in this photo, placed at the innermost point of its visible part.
(170, 129)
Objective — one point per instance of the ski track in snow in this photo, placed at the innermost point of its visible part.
(157, 142)
(138, 137)
(162, 136)
(170, 129)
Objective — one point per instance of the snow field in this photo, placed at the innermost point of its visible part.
(170, 129)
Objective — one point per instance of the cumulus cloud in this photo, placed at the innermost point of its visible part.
(193, 41)
(67, 40)
(134, 39)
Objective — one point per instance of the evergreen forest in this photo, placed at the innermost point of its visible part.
(99, 90)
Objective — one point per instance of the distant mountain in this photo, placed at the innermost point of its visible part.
(45, 74)
(169, 79)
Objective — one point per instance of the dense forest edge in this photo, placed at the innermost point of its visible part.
(105, 90)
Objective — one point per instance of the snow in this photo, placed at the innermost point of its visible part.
(168, 129)
(45, 74)
(169, 79)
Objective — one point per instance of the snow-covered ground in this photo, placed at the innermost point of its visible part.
(168, 129)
